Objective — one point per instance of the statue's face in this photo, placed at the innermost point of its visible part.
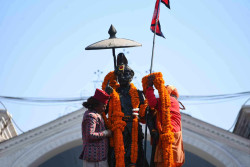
(124, 78)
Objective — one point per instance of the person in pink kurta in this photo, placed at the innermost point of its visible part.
(94, 134)
(178, 150)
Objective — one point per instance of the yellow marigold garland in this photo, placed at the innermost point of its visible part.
(164, 127)
(115, 122)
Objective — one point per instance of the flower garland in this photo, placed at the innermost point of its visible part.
(112, 81)
(115, 122)
(142, 111)
(117, 128)
(135, 104)
(164, 127)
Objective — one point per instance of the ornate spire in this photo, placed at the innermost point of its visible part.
(112, 31)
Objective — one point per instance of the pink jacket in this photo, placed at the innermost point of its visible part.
(95, 144)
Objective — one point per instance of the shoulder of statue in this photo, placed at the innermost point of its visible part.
(140, 91)
(141, 96)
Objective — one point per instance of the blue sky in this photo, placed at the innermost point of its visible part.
(42, 52)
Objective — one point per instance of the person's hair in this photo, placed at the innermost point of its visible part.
(91, 103)
(174, 96)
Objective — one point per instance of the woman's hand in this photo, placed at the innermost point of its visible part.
(107, 133)
(151, 80)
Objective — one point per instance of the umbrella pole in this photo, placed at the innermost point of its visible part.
(113, 50)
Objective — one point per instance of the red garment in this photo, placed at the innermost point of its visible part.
(174, 109)
(95, 143)
(101, 96)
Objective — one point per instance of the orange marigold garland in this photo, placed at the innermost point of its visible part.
(113, 83)
(134, 144)
(164, 127)
(142, 110)
(135, 104)
(112, 80)
(117, 128)
(115, 122)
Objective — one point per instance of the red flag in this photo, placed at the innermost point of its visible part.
(166, 2)
(157, 14)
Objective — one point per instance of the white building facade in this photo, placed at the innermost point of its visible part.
(40, 145)
(7, 129)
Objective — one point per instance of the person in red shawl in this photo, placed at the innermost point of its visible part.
(178, 151)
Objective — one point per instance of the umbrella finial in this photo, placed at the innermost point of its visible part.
(112, 31)
(113, 42)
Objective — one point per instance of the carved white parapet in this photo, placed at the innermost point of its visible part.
(7, 130)
(217, 146)
(32, 148)
(215, 133)
(242, 126)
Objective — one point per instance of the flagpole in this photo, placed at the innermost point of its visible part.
(151, 66)
(156, 22)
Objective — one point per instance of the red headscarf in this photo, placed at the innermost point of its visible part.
(101, 96)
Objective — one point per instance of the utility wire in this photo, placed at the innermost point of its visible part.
(206, 98)
(214, 97)
(45, 100)
(17, 125)
(200, 99)
(7, 123)
(3, 106)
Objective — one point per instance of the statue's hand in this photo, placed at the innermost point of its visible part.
(108, 88)
(151, 80)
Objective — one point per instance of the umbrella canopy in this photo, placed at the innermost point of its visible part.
(113, 42)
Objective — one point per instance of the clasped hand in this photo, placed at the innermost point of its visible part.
(108, 88)
(151, 80)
